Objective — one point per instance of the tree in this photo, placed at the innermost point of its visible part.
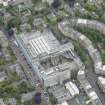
(23, 87)
(13, 22)
(90, 7)
(52, 98)
(1, 20)
(56, 3)
(10, 32)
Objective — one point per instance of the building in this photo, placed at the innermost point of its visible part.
(38, 23)
(48, 1)
(25, 27)
(92, 95)
(95, 2)
(52, 61)
(16, 68)
(12, 101)
(101, 83)
(3, 40)
(4, 2)
(99, 68)
(15, 2)
(64, 103)
(72, 88)
(27, 96)
(60, 92)
(3, 76)
(95, 55)
(2, 102)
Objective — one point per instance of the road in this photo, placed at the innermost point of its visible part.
(92, 78)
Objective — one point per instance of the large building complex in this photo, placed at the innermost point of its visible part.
(52, 61)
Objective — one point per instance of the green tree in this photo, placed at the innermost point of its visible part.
(52, 98)
(13, 22)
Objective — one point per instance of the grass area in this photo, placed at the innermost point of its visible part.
(8, 90)
(13, 58)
